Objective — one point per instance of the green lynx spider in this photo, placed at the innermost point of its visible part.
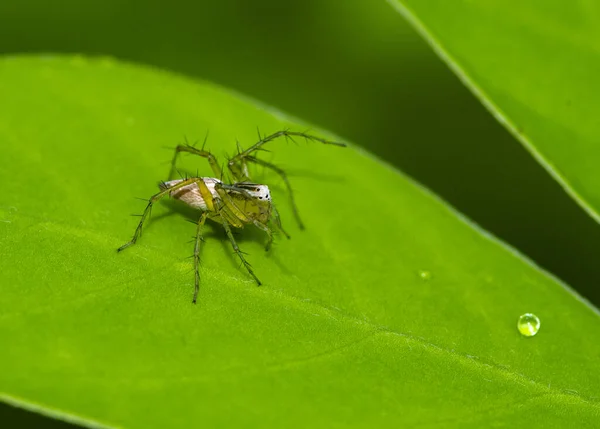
(232, 205)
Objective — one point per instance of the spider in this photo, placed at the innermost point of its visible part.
(236, 205)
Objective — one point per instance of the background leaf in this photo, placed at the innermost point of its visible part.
(346, 330)
(535, 65)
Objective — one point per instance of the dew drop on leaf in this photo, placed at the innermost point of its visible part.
(424, 274)
(528, 324)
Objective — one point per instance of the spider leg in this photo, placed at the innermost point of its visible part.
(267, 231)
(237, 164)
(229, 209)
(199, 241)
(277, 221)
(238, 159)
(153, 199)
(234, 188)
(239, 168)
(212, 160)
(236, 249)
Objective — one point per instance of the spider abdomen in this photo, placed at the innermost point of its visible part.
(191, 194)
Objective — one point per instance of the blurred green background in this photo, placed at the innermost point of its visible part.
(353, 67)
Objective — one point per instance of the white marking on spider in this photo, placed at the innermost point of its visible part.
(191, 195)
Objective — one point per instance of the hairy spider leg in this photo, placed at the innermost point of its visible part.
(212, 160)
(284, 133)
(243, 165)
(221, 210)
(233, 213)
(238, 167)
(276, 219)
(199, 240)
(153, 199)
(267, 231)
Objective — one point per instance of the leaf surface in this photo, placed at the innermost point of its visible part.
(388, 309)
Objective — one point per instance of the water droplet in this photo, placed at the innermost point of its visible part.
(528, 324)
(424, 274)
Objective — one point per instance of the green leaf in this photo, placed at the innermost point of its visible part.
(389, 309)
(535, 66)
